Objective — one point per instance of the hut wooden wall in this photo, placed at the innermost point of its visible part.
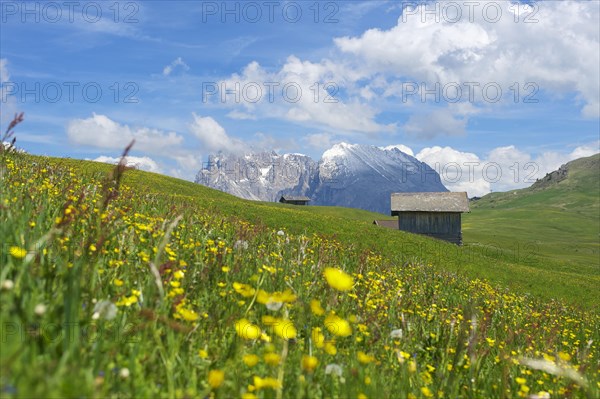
(441, 225)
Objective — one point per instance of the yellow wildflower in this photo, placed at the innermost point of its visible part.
(250, 359)
(564, 356)
(364, 358)
(215, 378)
(285, 329)
(17, 252)
(318, 337)
(338, 279)
(330, 348)
(178, 274)
(315, 307)
(243, 289)
(338, 326)
(309, 363)
(246, 329)
(127, 301)
(267, 382)
(187, 314)
(272, 359)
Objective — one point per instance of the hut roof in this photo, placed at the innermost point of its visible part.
(430, 202)
(390, 224)
(294, 198)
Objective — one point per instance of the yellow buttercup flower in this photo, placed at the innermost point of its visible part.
(263, 297)
(564, 356)
(243, 289)
(316, 308)
(18, 252)
(285, 329)
(309, 363)
(364, 358)
(187, 314)
(318, 337)
(216, 378)
(251, 360)
(272, 359)
(267, 382)
(330, 348)
(179, 275)
(247, 330)
(338, 326)
(338, 279)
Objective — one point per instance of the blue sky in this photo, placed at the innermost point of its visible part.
(92, 75)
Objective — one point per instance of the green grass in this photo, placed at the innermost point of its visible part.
(506, 253)
(181, 265)
(556, 227)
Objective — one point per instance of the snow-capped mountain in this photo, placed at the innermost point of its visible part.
(351, 175)
(263, 176)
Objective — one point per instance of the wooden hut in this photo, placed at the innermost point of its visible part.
(294, 200)
(435, 215)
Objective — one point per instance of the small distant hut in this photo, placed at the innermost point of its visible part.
(435, 215)
(294, 200)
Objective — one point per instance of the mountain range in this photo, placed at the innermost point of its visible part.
(349, 175)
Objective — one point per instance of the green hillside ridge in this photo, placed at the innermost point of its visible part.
(121, 283)
(508, 258)
(555, 223)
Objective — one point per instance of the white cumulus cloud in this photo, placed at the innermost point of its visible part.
(178, 62)
(142, 163)
(300, 91)
(556, 48)
(213, 136)
(102, 132)
(502, 169)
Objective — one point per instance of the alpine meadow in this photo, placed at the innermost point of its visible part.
(139, 285)
(326, 199)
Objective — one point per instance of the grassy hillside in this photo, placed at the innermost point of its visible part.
(140, 285)
(513, 262)
(553, 225)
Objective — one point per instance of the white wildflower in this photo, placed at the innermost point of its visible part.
(396, 334)
(105, 309)
(40, 309)
(274, 306)
(334, 369)
(241, 244)
(124, 373)
(7, 285)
